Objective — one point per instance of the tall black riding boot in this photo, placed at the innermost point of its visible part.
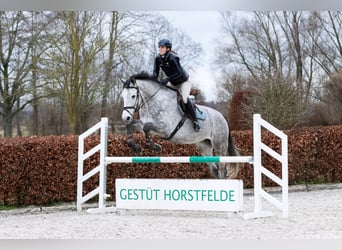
(192, 113)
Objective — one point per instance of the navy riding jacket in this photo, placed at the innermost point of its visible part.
(170, 64)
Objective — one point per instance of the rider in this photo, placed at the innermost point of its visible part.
(168, 61)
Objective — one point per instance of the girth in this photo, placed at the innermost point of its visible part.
(182, 108)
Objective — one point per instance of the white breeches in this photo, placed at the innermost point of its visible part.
(184, 89)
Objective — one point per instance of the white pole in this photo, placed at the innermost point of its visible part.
(103, 166)
(80, 173)
(257, 162)
(285, 177)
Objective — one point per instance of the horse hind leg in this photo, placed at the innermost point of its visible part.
(226, 147)
(220, 146)
(206, 150)
(233, 169)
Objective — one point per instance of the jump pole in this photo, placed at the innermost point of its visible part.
(180, 159)
(259, 170)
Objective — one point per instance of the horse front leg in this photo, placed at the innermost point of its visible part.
(135, 125)
(149, 142)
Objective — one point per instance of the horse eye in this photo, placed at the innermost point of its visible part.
(133, 96)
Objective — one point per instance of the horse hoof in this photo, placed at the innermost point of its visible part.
(222, 174)
(214, 173)
(136, 149)
(157, 148)
(154, 146)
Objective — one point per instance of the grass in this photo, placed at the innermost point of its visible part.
(6, 207)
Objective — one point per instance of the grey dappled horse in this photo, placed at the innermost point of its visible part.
(152, 108)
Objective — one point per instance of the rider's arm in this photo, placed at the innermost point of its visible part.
(156, 69)
(179, 72)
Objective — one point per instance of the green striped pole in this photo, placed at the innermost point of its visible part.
(180, 159)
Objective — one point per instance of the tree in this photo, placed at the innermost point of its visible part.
(300, 47)
(125, 51)
(325, 28)
(39, 23)
(70, 63)
(331, 97)
(15, 48)
(269, 48)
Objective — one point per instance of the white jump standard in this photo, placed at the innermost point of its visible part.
(255, 160)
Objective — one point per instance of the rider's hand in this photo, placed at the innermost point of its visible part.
(164, 81)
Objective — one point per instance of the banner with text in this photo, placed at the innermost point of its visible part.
(179, 194)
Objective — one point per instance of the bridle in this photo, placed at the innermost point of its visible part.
(138, 104)
(136, 107)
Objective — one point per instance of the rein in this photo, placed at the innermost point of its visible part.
(138, 105)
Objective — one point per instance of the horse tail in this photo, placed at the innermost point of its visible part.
(232, 150)
(232, 168)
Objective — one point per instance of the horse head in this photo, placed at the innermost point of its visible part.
(132, 96)
(131, 99)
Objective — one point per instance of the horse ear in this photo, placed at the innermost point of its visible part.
(133, 80)
(126, 83)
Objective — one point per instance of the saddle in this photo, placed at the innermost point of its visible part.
(200, 114)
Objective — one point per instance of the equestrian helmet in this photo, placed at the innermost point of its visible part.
(165, 42)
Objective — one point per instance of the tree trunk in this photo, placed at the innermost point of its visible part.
(8, 120)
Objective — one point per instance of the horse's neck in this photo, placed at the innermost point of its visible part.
(157, 98)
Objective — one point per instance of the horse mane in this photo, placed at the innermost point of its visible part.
(143, 75)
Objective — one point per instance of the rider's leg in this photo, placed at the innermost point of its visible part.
(185, 92)
(191, 111)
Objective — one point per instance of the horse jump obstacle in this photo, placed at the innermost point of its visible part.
(259, 170)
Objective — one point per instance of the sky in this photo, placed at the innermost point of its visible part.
(204, 28)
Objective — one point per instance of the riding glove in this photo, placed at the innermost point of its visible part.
(164, 81)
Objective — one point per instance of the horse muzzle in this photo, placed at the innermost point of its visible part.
(126, 117)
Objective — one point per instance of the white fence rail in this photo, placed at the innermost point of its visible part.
(259, 170)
